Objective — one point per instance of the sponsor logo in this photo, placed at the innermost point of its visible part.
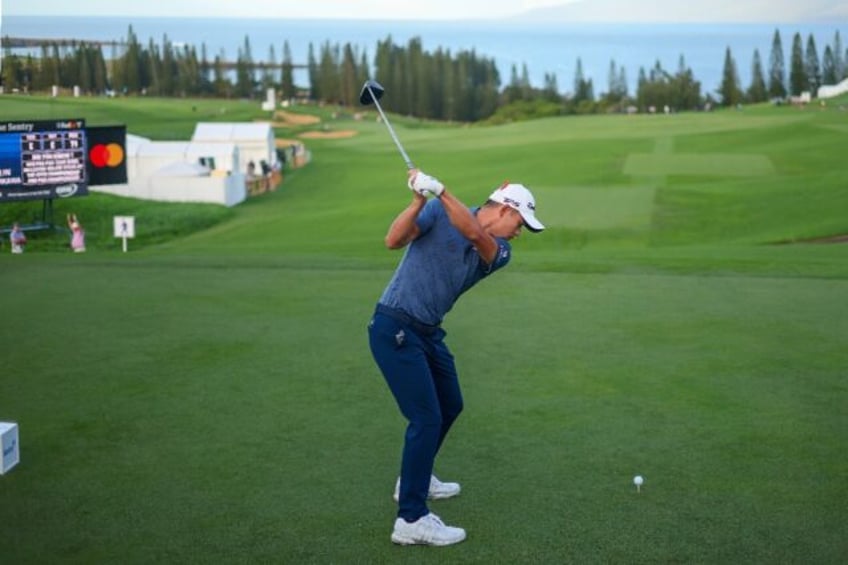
(514, 203)
(106, 155)
(70, 124)
(66, 190)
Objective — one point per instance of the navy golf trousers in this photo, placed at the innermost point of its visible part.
(420, 372)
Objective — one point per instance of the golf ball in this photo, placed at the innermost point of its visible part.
(638, 480)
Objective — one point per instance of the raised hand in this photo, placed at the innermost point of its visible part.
(424, 184)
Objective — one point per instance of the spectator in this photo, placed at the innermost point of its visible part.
(77, 234)
(17, 238)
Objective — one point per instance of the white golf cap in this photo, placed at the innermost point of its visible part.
(519, 197)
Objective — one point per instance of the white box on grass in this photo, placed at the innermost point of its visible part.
(11, 447)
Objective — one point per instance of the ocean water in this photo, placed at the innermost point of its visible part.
(543, 48)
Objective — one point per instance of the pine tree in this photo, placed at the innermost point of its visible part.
(797, 75)
(613, 90)
(583, 89)
(812, 68)
(56, 66)
(839, 60)
(205, 85)
(641, 88)
(512, 92)
(684, 92)
(221, 86)
(154, 68)
(526, 86)
(10, 73)
(314, 74)
(268, 70)
(550, 91)
(623, 89)
(189, 75)
(168, 69)
(244, 71)
(416, 76)
(729, 90)
(100, 76)
(757, 92)
(287, 73)
(329, 73)
(579, 82)
(41, 80)
(349, 86)
(363, 72)
(84, 77)
(489, 86)
(777, 69)
(828, 67)
(131, 65)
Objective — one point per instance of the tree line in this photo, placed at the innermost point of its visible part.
(806, 72)
(464, 86)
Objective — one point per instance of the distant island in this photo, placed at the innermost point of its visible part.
(694, 11)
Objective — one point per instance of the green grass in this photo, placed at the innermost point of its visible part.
(210, 397)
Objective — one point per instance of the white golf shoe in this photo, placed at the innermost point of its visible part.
(438, 489)
(427, 530)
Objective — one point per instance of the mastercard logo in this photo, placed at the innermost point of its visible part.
(110, 155)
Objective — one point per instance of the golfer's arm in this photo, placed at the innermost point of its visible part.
(404, 229)
(464, 221)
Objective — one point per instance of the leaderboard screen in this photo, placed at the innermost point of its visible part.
(43, 159)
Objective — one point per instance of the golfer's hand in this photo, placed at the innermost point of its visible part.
(424, 184)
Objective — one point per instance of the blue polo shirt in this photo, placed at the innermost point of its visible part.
(438, 267)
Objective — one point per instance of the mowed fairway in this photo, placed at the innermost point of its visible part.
(212, 398)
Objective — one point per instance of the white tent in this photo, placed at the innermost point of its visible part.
(143, 158)
(255, 140)
(829, 91)
(177, 171)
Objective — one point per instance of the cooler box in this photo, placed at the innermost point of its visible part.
(11, 449)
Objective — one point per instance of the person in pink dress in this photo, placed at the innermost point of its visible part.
(77, 234)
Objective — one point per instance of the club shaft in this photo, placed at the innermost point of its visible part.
(406, 158)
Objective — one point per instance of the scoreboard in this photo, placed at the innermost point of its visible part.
(43, 160)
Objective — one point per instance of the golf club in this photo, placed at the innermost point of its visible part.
(372, 92)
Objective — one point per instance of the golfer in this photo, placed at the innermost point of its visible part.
(449, 248)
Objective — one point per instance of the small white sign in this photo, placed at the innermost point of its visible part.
(11, 450)
(125, 226)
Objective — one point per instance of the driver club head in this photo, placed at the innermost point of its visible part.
(371, 92)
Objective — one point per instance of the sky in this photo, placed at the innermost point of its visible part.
(337, 9)
(537, 10)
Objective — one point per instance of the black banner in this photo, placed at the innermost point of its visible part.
(107, 150)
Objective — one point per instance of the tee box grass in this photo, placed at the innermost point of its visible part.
(210, 396)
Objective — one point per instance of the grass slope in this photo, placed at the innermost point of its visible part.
(209, 397)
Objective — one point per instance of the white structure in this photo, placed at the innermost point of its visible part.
(830, 91)
(11, 450)
(270, 100)
(176, 171)
(255, 141)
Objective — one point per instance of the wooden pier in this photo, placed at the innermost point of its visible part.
(34, 43)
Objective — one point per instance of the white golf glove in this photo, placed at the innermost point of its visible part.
(423, 183)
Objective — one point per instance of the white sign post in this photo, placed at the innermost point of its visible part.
(124, 228)
(11, 455)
